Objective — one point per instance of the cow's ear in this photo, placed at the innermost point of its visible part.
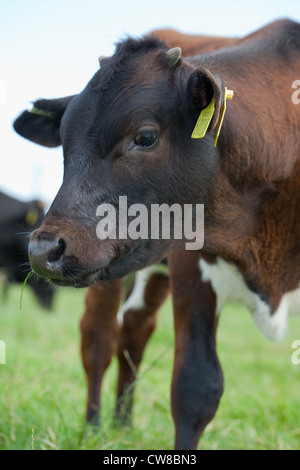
(202, 87)
(41, 124)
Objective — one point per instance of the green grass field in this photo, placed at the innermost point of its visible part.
(43, 388)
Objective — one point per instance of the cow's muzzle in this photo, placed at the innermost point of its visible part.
(53, 255)
(46, 255)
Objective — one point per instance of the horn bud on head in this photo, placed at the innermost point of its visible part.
(100, 59)
(174, 54)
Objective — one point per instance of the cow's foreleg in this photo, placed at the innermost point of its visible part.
(197, 382)
(138, 321)
(99, 335)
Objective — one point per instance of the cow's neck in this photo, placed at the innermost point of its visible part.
(258, 231)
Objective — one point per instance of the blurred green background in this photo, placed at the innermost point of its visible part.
(43, 387)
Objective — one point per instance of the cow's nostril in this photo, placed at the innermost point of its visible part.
(57, 251)
(46, 255)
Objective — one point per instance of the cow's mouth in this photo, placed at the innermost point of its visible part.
(74, 275)
(51, 259)
(117, 268)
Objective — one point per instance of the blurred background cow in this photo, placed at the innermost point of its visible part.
(17, 220)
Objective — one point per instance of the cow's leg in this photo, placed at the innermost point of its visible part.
(197, 382)
(99, 335)
(137, 321)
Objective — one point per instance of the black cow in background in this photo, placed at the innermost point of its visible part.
(17, 220)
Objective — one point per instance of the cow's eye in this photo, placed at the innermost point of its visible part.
(146, 139)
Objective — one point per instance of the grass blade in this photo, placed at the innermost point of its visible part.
(24, 284)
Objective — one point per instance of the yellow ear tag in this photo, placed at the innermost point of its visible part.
(227, 95)
(32, 216)
(204, 120)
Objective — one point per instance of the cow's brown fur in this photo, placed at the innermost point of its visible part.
(193, 44)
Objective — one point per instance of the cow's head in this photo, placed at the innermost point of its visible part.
(128, 133)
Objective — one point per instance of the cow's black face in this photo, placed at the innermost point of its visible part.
(126, 141)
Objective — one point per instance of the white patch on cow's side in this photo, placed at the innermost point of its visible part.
(136, 299)
(229, 286)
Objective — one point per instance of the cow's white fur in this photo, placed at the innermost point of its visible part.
(229, 285)
(136, 299)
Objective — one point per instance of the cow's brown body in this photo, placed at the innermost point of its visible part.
(249, 184)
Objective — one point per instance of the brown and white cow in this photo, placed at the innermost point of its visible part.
(129, 133)
(104, 328)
